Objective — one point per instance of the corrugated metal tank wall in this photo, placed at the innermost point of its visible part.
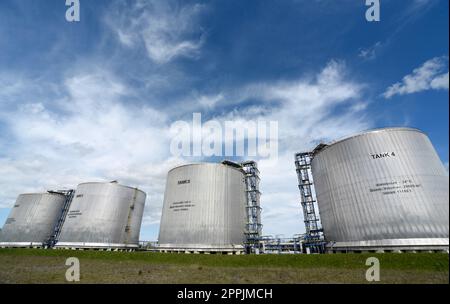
(103, 215)
(204, 208)
(32, 219)
(383, 188)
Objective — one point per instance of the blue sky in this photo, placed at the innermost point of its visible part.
(94, 100)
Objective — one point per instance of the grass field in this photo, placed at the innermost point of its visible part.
(48, 266)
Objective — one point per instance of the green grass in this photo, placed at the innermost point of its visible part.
(142, 267)
(404, 261)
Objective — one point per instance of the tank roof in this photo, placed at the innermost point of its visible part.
(321, 147)
(113, 183)
(41, 193)
(224, 163)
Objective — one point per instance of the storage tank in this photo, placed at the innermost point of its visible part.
(103, 215)
(384, 189)
(32, 220)
(204, 209)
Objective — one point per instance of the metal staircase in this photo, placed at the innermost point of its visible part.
(51, 242)
(253, 209)
(313, 239)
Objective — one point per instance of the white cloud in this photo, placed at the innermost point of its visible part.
(165, 28)
(305, 113)
(306, 117)
(209, 102)
(440, 82)
(90, 132)
(370, 53)
(429, 76)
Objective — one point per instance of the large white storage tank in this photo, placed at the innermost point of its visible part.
(204, 209)
(32, 220)
(384, 189)
(103, 215)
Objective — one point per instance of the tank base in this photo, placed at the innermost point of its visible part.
(203, 250)
(21, 245)
(394, 246)
(96, 246)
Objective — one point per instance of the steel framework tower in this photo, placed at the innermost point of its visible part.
(253, 227)
(313, 238)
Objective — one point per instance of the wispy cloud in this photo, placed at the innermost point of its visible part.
(89, 133)
(411, 12)
(371, 52)
(107, 114)
(305, 110)
(167, 29)
(429, 76)
(93, 133)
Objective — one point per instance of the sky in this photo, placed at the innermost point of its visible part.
(94, 100)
